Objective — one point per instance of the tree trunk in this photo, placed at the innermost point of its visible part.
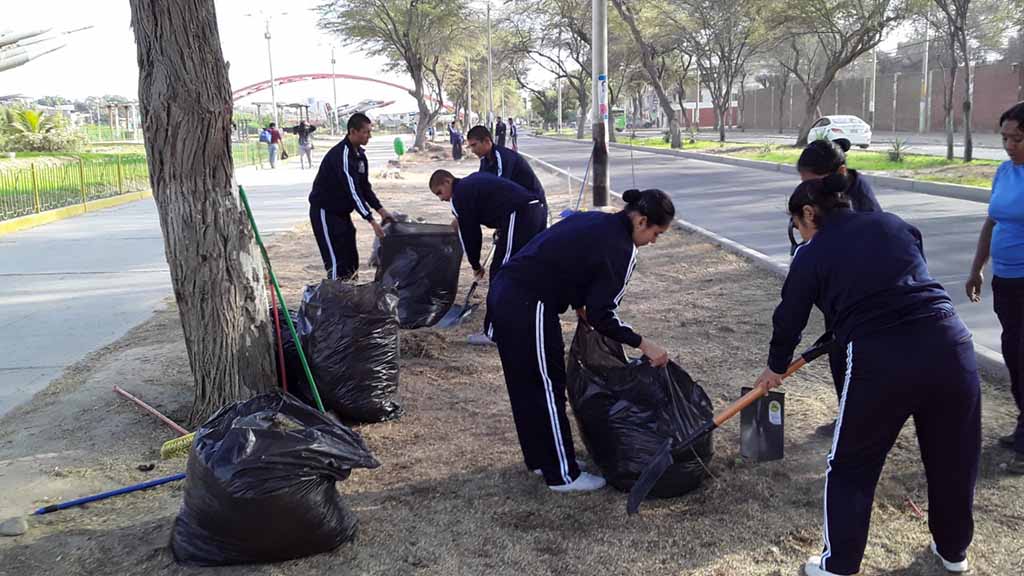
(652, 72)
(947, 108)
(968, 98)
(810, 115)
(581, 119)
(722, 111)
(782, 104)
(215, 265)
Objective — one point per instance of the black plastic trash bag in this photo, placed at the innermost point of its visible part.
(261, 484)
(627, 410)
(350, 336)
(292, 365)
(421, 262)
(374, 259)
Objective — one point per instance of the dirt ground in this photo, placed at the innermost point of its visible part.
(452, 496)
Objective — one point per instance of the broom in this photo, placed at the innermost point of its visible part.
(180, 446)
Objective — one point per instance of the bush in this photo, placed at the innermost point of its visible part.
(899, 149)
(53, 141)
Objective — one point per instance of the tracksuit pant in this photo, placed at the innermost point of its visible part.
(529, 339)
(1008, 301)
(336, 238)
(924, 369)
(521, 227)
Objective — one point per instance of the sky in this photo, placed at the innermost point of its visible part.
(102, 60)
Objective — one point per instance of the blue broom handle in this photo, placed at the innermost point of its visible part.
(112, 493)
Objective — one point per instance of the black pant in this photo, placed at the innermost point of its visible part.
(336, 238)
(923, 369)
(1008, 301)
(529, 339)
(517, 232)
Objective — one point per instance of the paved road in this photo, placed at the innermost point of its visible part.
(76, 285)
(986, 146)
(748, 206)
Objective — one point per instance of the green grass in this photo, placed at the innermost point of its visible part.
(866, 161)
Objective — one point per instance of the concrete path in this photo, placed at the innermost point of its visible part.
(76, 285)
(748, 206)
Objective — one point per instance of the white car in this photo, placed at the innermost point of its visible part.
(846, 131)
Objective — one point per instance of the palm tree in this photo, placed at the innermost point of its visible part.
(31, 122)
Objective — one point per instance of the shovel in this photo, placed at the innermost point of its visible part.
(663, 458)
(458, 313)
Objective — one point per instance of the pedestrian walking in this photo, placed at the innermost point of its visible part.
(907, 355)
(502, 162)
(584, 261)
(500, 130)
(342, 185)
(819, 159)
(1002, 239)
(513, 133)
(455, 137)
(483, 199)
(274, 144)
(303, 131)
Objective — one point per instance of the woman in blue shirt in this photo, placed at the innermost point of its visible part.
(907, 355)
(1002, 238)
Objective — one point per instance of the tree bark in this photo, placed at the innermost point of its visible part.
(968, 113)
(215, 265)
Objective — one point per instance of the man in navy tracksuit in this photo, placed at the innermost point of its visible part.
(503, 162)
(584, 261)
(483, 199)
(342, 185)
(907, 355)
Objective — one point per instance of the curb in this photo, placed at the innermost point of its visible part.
(33, 220)
(990, 362)
(957, 191)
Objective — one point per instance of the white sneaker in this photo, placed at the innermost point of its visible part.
(579, 464)
(960, 566)
(479, 339)
(586, 482)
(813, 567)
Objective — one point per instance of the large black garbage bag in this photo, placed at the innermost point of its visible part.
(627, 410)
(261, 484)
(350, 336)
(421, 262)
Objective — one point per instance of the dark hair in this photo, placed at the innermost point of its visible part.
(271, 125)
(821, 157)
(438, 177)
(1015, 113)
(358, 121)
(652, 203)
(826, 195)
(479, 133)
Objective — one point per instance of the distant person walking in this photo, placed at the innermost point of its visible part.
(1002, 238)
(500, 131)
(275, 139)
(513, 133)
(455, 137)
(303, 131)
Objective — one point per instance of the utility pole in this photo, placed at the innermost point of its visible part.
(696, 104)
(558, 82)
(490, 73)
(469, 95)
(270, 63)
(895, 95)
(600, 108)
(874, 80)
(334, 86)
(922, 123)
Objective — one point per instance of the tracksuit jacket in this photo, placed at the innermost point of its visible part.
(507, 163)
(342, 183)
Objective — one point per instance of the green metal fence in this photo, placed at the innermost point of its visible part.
(61, 182)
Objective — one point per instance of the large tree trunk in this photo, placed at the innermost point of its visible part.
(811, 111)
(782, 103)
(215, 265)
(581, 120)
(947, 108)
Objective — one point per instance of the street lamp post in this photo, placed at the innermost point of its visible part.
(270, 64)
(600, 106)
(334, 87)
(490, 73)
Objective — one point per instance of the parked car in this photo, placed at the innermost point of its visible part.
(846, 131)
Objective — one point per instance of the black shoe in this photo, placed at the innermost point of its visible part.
(1008, 441)
(826, 430)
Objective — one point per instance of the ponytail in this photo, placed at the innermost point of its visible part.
(826, 195)
(652, 203)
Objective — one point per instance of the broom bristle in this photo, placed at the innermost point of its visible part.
(177, 447)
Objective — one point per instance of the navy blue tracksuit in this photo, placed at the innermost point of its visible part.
(342, 185)
(907, 355)
(506, 163)
(584, 260)
(862, 199)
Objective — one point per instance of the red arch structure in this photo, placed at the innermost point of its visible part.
(265, 84)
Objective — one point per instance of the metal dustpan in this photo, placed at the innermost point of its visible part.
(459, 312)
